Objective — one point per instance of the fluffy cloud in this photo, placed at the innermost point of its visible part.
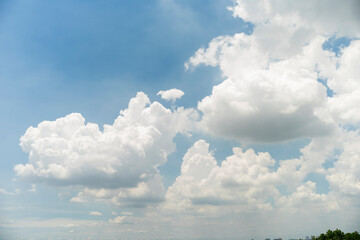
(271, 90)
(263, 100)
(247, 180)
(344, 176)
(282, 28)
(171, 94)
(150, 192)
(325, 17)
(244, 178)
(305, 198)
(345, 82)
(118, 220)
(123, 157)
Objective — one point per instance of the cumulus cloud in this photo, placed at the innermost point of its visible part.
(271, 90)
(263, 100)
(245, 178)
(171, 94)
(150, 192)
(323, 16)
(305, 198)
(345, 82)
(124, 156)
(344, 176)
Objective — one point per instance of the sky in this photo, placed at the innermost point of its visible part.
(179, 119)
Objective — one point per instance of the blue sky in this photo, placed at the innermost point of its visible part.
(273, 80)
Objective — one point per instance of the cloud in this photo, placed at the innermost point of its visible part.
(263, 100)
(305, 198)
(344, 176)
(171, 94)
(5, 192)
(119, 219)
(243, 179)
(324, 17)
(33, 188)
(122, 158)
(95, 213)
(271, 91)
(249, 181)
(150, 192)
(345, 82)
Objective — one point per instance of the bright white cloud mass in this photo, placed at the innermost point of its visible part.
(280, 85)
(119, 163)
(171, 94)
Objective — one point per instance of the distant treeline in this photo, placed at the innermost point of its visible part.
(337, 235)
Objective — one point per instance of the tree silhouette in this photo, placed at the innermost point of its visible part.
(337, 235)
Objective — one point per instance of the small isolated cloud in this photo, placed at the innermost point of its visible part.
(33, 188)
(6, 223)
(95, 213)
(5, 192)
(171, 94)
(119, 219)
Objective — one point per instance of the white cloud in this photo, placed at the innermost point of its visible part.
(5, 192)
(171, 94)
(95, 213)
(271, 91)
(344, 176)
(305, 198)
(323, 16)
(122, 158)
(248, 181)
(243, 179)
(345, 82)
(150, 192)
(263, 100)
(119, 219)
(33, 188)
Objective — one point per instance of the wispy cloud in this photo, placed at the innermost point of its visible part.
(95, 213)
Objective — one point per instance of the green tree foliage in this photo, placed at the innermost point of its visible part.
(337, 235)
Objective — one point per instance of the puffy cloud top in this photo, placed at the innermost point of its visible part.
(324, 16)
(171, 94)
(125, 155)
(263, 100)
(244, 178)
